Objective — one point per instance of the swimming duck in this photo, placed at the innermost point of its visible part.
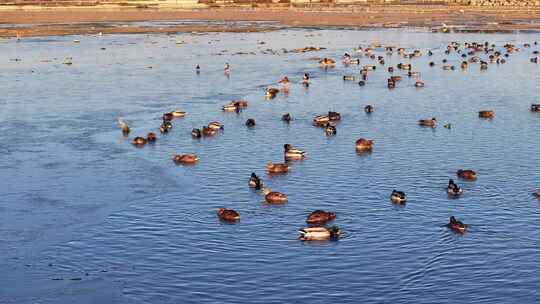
(398, 197)
(537, 193)
(327, 62)
(216, 126)
(419, 84)
(151, 137)
(448, 126)
(196, 133)
(255, 181)
(321, 120)
(291, 153)
(271, 93)
(240, 103)
(167, 116)
(391, 83)
(486, 114)
(228, 215)
(361, 83)
(286, 117)
(349, 78)
(227, 68)
(165, 126)
(428, 122)
(320, 233)
(334, 116)
(273, 197)
(369, 109)
(535, 107)
(277, 168)
(467, 174)
(139, 141)
(284, 80)
(206, 131)
(390, 70)
(456, 225)
(330, 130)
(185, 159)
(125, 127)
(250, 122)
(177, 114)
(306, 77)
(464, 65)
(230, 108)
(453, 189)
(363, 145)
(320, 217)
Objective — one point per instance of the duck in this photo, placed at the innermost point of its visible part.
(537, 193)
(196, 133)
(284, 80)
(215, 125)
(286, 117)
(273, 197)
(391, 83)
(277, 168)
(227, 68)
(206, 131)
(250, 122)
(334, 116)
(535, 107)
(228, 215)
(349, 78)
(467, 174)
(230, 108)
(271, 92)
(241, 104)
(167, 116)
(448, 126)
(151, 137)
(369, 109)
(320, 233)
(419, 84)
(321, 120)
(327, 62)
(139, 141)
(255, 181)
(363, 145)
(124, 127)
(165, 126)
(177, 113)
(320, 217)
(291, 153)
(398, 197)
(330, 130)
(185, 159)
(486, 114)
(453, 189)
(456, 225)
(428, 122)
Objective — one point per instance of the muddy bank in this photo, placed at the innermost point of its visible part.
(76, 21)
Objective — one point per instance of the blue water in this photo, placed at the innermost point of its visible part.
(86, 217)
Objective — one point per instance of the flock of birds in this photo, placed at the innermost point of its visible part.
(317, 220)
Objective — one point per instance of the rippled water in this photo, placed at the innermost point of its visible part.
(86, 217)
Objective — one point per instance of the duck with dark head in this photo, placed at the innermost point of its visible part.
(255, 181)
(453, 189)
(286, 117)
(320, 233)
(196, 133)
(456, 225)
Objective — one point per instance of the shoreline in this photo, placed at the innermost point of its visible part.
(93, 20)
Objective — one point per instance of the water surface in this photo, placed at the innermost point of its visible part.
(86, 217)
